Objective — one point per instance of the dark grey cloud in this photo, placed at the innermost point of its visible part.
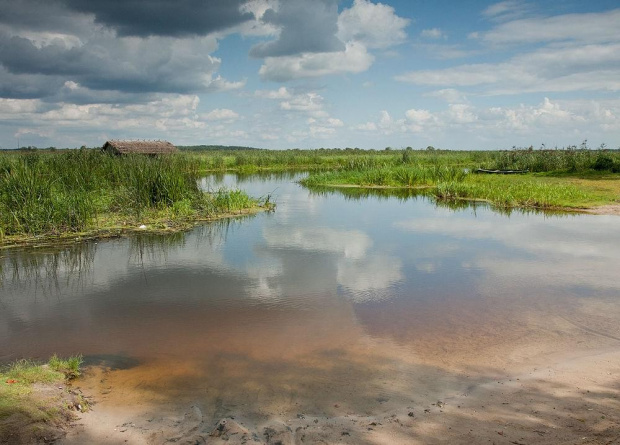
(136, 47)
(306, 27)
(140, 18)
(176, 18)
(28, 86)
(105, 62)
(39, 15)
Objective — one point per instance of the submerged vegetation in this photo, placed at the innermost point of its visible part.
(84, 190)
(32, 405)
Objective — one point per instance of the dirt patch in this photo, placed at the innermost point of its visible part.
(45, 415)
(610, 209)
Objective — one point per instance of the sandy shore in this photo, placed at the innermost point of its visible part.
(610, 209)
(573, 399)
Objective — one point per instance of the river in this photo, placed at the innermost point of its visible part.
(333, 303)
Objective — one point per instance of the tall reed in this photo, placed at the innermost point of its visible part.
(66, 191)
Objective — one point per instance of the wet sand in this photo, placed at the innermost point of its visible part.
(540, 390)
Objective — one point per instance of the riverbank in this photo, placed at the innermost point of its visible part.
(37, 401)
(597, 193)
(47, 197)
(568, 398)
(115, 226)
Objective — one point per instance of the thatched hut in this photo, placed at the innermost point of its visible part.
(153, 148)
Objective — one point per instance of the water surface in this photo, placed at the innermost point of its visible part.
(334, 297)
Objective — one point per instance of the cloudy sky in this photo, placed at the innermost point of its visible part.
(310, 73)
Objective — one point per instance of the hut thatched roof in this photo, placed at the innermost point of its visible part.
(142, 147)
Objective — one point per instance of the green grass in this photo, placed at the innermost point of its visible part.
(416, 175)
(519, 191)
(24, 411)
(570, 160)
(249, 161)
(70, 367)
(27, 372)
(568, 178)
(74, 191)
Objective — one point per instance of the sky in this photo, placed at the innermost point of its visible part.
(280, 74)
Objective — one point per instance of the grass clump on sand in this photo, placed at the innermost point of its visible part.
(73, 191)
(33, 407)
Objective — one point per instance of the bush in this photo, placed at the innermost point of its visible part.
(603, 162)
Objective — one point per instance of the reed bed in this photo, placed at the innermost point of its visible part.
(569, 160)
(417, 175)
(71, 191)
(450, 175)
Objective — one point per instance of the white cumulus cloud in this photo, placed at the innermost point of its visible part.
(375, 25)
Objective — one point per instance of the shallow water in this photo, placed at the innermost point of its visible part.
(333, 298)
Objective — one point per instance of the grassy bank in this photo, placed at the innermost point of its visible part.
(85, 191)
(570, 178)
(33, 407)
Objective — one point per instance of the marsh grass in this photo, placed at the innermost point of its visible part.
(76, 190)
(513, 192)
(416, 175)
(570, 160)
(448, 176)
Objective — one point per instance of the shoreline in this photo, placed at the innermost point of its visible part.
(572, 399)
(603, 209)
(153, 226)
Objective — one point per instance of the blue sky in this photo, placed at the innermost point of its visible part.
(310, 73)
